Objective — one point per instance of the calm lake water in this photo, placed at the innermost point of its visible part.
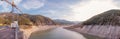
(57, 33)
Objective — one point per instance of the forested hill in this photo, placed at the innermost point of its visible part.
(25, 19)
(111, 17)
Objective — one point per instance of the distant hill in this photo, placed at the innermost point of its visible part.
(25, 19)
(65, 22)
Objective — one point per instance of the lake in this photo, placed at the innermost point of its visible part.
(57, 33)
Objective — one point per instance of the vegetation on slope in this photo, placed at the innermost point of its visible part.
(111, 17)
(24, 19)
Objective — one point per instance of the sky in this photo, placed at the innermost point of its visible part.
(71, 10)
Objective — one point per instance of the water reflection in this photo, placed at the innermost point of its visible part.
(58, 33)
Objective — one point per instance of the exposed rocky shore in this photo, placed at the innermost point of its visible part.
(105, 25)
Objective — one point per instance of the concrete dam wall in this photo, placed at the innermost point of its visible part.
(104, 31)
(9, 33)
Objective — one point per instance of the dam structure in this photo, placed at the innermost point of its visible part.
(11, 32)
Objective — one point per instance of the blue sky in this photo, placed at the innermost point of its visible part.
(72, 10)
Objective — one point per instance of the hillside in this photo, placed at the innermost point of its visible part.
(111, 17)
(105, 25)
(25, 19)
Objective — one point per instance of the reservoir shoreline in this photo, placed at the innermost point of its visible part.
(57, 32)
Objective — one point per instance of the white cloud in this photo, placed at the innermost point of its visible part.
(33, 4)
(94, 7)
(17, 1)
(117, 2)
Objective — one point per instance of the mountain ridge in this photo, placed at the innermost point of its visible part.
(65, 22)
